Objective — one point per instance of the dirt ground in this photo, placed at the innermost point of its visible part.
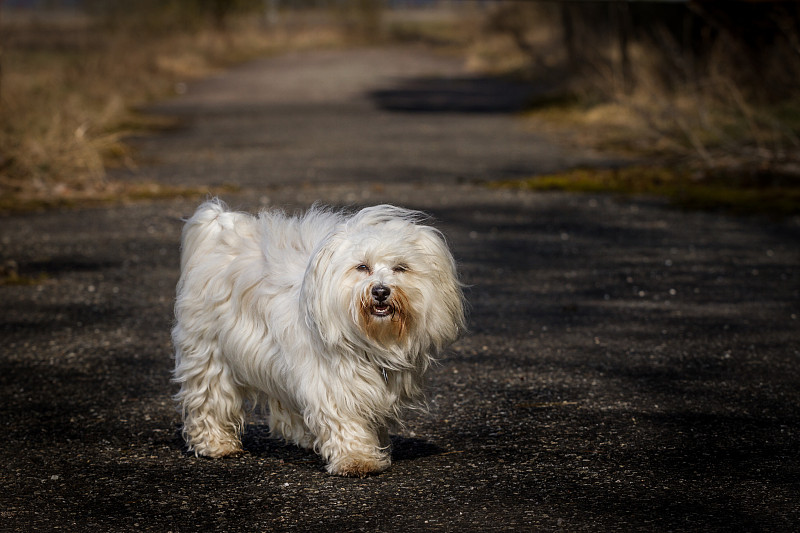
(628, 366)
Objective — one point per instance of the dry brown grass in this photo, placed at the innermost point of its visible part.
(70, 87)
(70, 84)
(719, 116)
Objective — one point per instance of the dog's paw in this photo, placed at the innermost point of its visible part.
(359, 467)
(217, 449)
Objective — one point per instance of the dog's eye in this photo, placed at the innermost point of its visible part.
(400, 268)
(362, 268)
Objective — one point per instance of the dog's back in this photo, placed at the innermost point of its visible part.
(211, 225)
(272, 250)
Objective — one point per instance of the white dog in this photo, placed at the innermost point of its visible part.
(331, 320)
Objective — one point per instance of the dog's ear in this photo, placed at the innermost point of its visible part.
(445, 313)
(319, 294)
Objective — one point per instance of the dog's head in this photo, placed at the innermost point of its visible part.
(383, 279)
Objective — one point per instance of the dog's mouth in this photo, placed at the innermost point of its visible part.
(381, 309)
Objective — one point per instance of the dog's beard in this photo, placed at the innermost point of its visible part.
(388, 321)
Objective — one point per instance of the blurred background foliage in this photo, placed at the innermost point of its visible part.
(169, 15)
(707, 88)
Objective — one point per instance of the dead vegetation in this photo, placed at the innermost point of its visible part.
(70, 85)
(706, 91)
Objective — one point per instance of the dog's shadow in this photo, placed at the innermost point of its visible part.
(257, 442)
(411, 448)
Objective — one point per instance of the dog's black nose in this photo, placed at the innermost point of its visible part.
(381, 292)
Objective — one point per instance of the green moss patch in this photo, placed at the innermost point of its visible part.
(735, 192)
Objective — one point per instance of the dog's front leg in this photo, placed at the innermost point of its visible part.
(351, 447)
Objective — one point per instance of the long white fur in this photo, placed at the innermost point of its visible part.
(272, 308)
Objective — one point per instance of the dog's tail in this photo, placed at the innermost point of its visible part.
(204, 227)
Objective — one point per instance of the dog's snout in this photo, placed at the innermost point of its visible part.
(381, 292)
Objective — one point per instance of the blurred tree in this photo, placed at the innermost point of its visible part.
(166, 15)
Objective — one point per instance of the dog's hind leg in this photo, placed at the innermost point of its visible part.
(289, 425)
(213, 413)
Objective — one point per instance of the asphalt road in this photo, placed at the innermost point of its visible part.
(629, 367)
